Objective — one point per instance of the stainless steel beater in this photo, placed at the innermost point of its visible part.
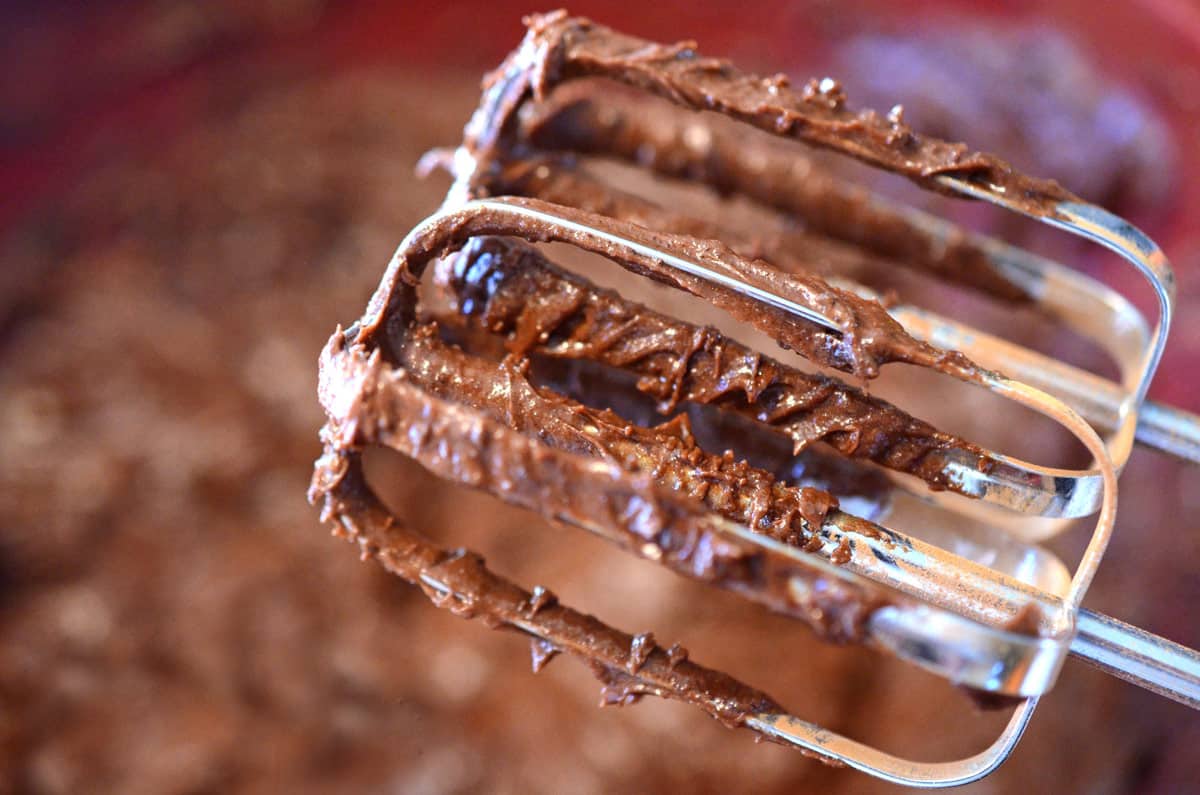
(950, 623)
(949, 612)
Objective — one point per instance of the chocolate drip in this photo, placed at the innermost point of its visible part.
(540, 598)
(541, 652)
(640, 650)
(509, 288)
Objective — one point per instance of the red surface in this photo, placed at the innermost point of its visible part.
(84, 76)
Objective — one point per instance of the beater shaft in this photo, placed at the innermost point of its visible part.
(1138, 657)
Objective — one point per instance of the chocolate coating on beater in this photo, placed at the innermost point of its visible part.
(652, 491)
(557, 179)
(391, 381)
(669, 453)
(867, 335)
(867, 488)
(461, 582)
(559, 48)
(511, 289)
(372, 404)
(599, 118)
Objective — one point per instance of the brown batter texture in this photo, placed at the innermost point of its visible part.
(175, 620)
(600, 118)
(559, 48)
(511, 289)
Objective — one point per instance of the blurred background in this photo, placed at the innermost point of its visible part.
(192, 195)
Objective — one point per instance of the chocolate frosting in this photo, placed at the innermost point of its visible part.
(730, 488)
(867, 335)
(653, 491)
(559, 48)
(509, 288)
(370, 403)
(628, 666)
(599, 118)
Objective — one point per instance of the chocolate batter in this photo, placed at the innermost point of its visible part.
(511, 289)
(628, 666)
(174, 618)
(559, 48)
(866, 336)
(600, 118)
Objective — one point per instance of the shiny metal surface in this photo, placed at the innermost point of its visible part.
(1170, 430)
(1139, 657)
(1088, 307)
(1080, 302)
(948, 614)
(967, 589)
(896, 770)
(1003, 662)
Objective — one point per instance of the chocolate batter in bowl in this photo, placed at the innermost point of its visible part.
(176, 621)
